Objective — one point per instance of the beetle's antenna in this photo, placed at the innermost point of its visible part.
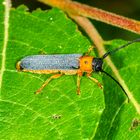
(116, 82)
(123, 46)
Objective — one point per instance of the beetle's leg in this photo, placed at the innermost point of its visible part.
(47, 81)
(78, 84)
(42, 52)
(89, 50)
(95, 80)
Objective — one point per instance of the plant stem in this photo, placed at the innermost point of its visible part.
(91, 31)
(95, 13)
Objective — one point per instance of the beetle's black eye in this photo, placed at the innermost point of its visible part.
(98, 68)
(97, 64)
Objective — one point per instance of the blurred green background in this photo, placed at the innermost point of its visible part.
(127, 8)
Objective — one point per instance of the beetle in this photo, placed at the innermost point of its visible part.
(67, 64)
(59, 64)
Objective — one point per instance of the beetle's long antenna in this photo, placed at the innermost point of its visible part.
(116, 82)
(123, 46)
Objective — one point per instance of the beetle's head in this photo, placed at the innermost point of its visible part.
(97, 64)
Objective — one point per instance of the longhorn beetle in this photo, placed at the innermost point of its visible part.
(67, 64)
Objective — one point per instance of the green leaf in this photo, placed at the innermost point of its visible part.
(120, 119)
(58, 112)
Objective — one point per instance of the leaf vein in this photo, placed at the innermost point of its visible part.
(7, 4)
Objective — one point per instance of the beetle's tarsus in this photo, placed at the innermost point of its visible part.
(78, 91)
(37, 92)
(100, 85)
(96, 81)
